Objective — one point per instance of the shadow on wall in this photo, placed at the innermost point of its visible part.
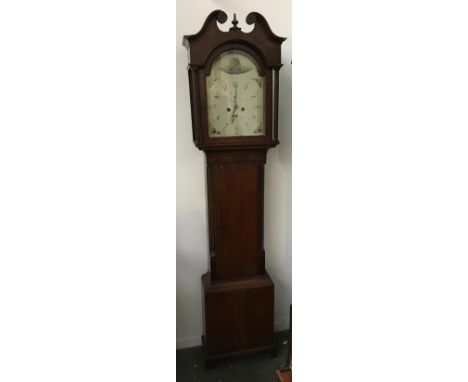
(191, 263)
(284, 116)
(282, 302)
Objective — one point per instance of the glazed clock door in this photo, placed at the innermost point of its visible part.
(235, 96)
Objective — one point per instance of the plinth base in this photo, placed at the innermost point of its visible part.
(238, 316)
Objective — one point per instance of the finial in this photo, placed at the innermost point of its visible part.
(234, 23)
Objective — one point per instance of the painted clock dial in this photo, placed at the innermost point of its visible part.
(235, 96)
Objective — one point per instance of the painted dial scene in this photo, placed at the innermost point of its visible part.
(235, 93)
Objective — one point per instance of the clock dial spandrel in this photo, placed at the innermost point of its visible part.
(235, 96)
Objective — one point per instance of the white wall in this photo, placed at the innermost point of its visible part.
(192, 244)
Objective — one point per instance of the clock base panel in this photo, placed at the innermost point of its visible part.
(238, 316)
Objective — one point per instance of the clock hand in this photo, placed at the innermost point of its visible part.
(235, 102)
(233, 112)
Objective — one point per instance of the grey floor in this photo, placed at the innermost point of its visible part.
(251, 368)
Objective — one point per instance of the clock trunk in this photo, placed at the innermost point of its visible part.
(235, 213)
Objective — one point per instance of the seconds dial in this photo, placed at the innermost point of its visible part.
(235, 93)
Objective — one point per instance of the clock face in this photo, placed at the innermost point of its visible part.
(235, 94)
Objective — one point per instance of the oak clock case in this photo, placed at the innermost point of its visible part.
(233, 82)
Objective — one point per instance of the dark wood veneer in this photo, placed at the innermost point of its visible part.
(238, 316)
(235, 202)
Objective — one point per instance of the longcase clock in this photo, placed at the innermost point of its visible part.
(233, 78)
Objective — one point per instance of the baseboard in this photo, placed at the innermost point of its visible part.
(188, 342)
(279, 326)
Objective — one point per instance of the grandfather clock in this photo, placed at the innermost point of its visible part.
(233, 79)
